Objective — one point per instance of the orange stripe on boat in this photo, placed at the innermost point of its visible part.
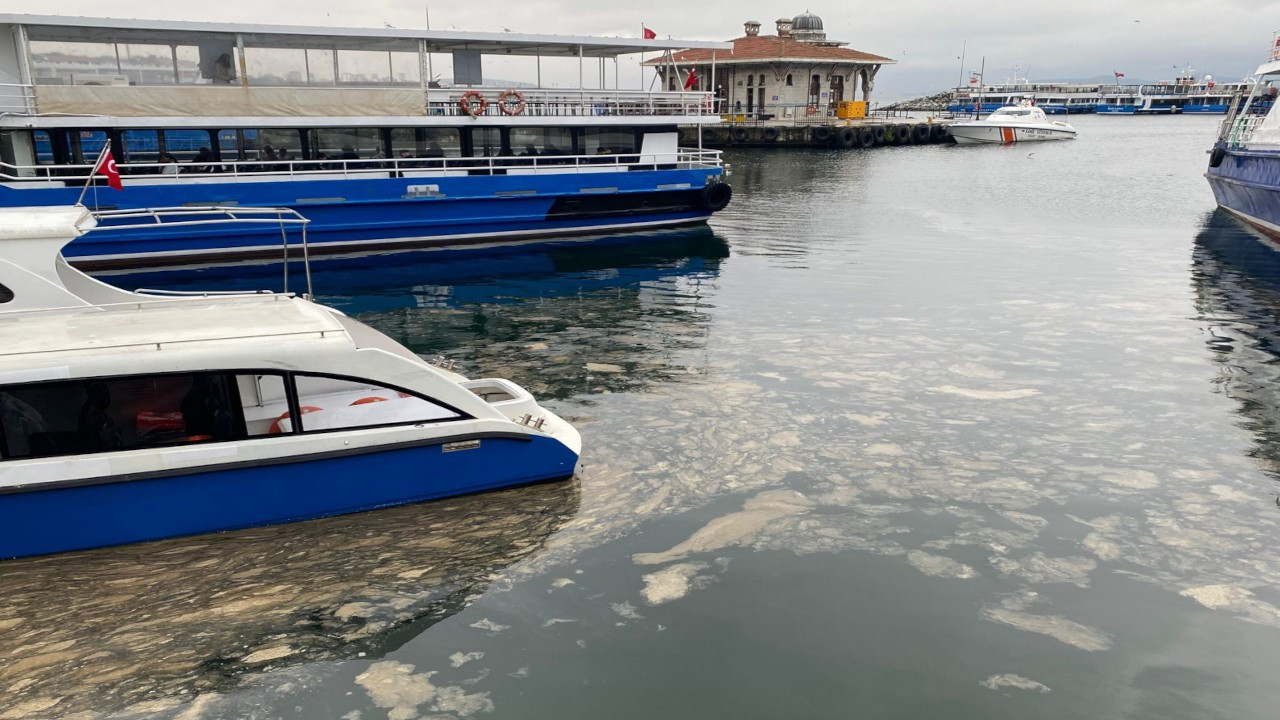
(1008, 134)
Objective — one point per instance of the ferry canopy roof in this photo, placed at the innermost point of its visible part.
(58, 28)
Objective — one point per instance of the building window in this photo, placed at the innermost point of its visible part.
(751, 79)
(761, 79)
(788, 79)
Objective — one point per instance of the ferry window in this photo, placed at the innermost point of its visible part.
(345, 143)
(5, 294)
(601, 141)
(185, 145)
(87, 144)
(320, 67)
(229, 145)
(140, 146)
(487, 142)
(541, 141)
(269, 143)
(335, 404)
(264, 403)
(24, 149)
(364, 67)
(150, 64)
(426, 142)
(111, 414)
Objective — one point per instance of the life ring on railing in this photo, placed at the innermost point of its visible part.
(367, 400)
(275, 426)
(811, 110)
(511, 102)
(1216, 157)
(471, 108)
(716, 196)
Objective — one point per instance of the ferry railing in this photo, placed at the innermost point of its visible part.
(373, 168)
(1242, 129)
(17, 99)
(542, 102)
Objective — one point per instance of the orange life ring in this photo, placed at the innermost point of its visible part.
(275, 426)
(511, 102)
(473, 109)
(811, 110)
(367, 400)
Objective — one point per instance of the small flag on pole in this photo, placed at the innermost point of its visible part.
(1118, 74)
(106, 165)
(649, 34)
(692, 80)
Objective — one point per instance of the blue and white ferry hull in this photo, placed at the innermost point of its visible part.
(128, 508)
(361, 214)
(1246, 183)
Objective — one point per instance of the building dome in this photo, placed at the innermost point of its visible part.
(806, 21)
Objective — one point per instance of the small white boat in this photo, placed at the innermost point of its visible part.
(127, 417)
(1016, 123)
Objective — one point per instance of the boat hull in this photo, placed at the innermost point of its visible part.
(1246, 183)
(974, 134)
(357, 215)
(128, 510)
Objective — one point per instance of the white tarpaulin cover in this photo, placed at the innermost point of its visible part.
(209, 101)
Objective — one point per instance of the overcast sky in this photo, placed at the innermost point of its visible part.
(1145, 39)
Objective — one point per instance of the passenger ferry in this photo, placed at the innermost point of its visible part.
(1185, 95)
(127, 417)
(1244, 164)
(347, 125)
(1052, 98)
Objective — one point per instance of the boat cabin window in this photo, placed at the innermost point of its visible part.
(487, 142)
(270, 144)
(344, 143)
(139, 146)
(426, 142)
(6, 294)
(329, 403)
(541, 141)
(86, 145)
(124, 413)
(23, 149)
(600, 141)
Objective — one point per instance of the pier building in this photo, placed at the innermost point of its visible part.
(797, 74)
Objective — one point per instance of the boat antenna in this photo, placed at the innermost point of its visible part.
(982, 71)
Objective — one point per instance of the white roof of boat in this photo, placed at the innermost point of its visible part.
(60, 28)
(162, 325)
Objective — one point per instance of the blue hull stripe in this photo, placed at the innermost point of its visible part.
(1248, 184)
(88, 516)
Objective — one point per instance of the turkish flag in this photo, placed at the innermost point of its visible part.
(692, 80)
(648, 34)
(107, 166)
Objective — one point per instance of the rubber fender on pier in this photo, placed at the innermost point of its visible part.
(822, 133)
(716, 196)
(902, 134)
(770, 134)
(1216, 157)
(866, 137)
(937, 133)
(739, 134)
(847, 137)
(920, 133)
(879, 133)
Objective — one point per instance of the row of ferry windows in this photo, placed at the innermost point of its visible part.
(78, 147)
(128, 413)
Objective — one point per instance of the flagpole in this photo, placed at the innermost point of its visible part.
(98, 163)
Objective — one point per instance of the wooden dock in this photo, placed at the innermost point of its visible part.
(854, 134)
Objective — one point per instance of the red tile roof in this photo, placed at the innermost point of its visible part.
(763, 48)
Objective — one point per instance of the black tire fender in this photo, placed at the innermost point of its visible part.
(902, 134)
(770, 134)
(847, 137)
(739, 134)
(1216, 157)
(879, 132)
(822, 133)
(866, 137)
(716, 196)
(920, 133)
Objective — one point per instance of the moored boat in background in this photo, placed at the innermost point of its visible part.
(1018, 123)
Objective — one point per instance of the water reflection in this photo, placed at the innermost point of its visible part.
(1237, 283)
(143, 629)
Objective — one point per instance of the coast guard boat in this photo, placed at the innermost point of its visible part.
(1244, 164)
(127, 417)
(1017, 123)
(347, 125)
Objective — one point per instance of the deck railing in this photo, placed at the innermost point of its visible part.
(544, 102)
(17, 99)
(1240, 129)
(372, 169)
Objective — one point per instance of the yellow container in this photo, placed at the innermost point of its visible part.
(851, 109)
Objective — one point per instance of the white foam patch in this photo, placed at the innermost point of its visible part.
(1236, 599)
(626, 610)
(886, 449)
(395, 687)
(986, 394)
(939, 565)
(1039, 568)
(1009, 680)
(459, 659)
(979, 372)
(1133, 479)
(489, 626)
(670, 583)
(1012, 612)
(735, 528)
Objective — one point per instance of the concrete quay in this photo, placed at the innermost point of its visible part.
(854, 134)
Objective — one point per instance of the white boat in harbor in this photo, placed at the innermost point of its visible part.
(1020, 123)
(127, 417)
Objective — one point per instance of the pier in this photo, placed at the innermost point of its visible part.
(856, 134)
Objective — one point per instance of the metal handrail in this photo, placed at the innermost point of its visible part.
(555, 102)
(685, 158)
(25, 95)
